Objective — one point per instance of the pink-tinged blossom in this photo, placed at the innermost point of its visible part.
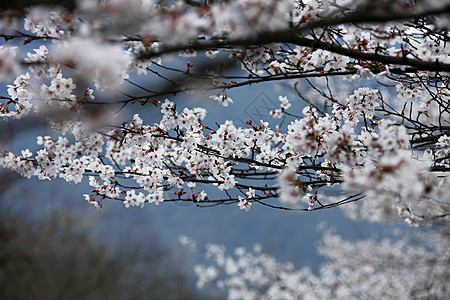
(326, 60)
(62, 87)
(284, 102)
(251, 193)
(138, 48)
(21, 165)
(311, 205)
(409, 93)
(222, 99)
(26, 153)
(92, 201)
(40, 55)
(244, 203)
(277, 113)
(21, 93)
(156, 197)
(74, 172)
(134, 199)
(228, 182)
(442, 152)
(44, 22)
(21, 88)
(361, 103)
(306, 135)
(311, 199)
(201, 196)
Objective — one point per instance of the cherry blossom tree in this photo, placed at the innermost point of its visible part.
(372, 76)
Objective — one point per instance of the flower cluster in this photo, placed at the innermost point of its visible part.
(277, 113)
(46, 23)
(20, 97)
(362, 102)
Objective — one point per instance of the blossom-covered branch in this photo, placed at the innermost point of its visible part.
(372, 131)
